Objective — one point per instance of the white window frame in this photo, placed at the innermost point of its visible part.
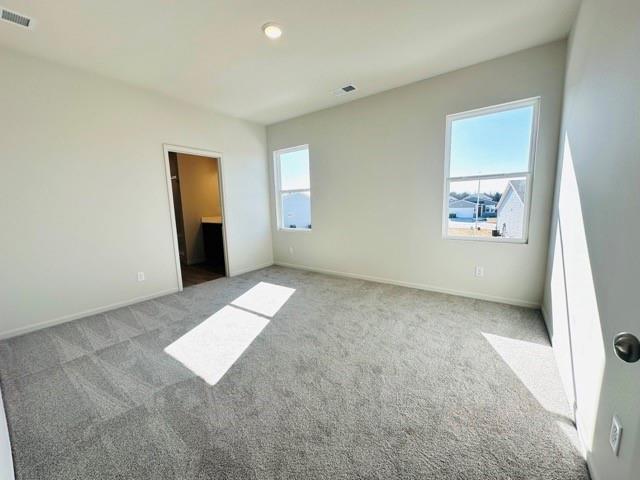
(528, 174)
(279, 191)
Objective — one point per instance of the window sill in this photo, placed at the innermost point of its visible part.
(282, 229)
(520, 241)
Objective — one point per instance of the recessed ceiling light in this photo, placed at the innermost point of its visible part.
(272, 30)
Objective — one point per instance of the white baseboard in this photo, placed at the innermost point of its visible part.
(546, 316)
(586, 454)
(592, 471)
(419, 286)
(74, 316)
(240, 271)
(548, 320)
(105, 308)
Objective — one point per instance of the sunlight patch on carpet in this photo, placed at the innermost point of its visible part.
(265, 298)
(211, 348)
(535, 367)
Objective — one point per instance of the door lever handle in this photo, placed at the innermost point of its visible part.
(627, 347)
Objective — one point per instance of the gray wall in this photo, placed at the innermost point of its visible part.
(377, 170)
(592, 282)
(84, 200)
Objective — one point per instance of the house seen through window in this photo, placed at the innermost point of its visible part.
(293, 188)
(488, 172)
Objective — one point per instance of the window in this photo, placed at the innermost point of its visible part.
(488, 172)
(293, 188)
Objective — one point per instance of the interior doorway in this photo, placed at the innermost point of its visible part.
(197, 211)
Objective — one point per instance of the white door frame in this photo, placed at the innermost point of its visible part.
(201, 153)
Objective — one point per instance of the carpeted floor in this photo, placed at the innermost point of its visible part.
(349, 379)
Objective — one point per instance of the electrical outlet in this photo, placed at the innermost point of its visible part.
(141, 276)
(615, 435)
(479, 271)
(291, 250)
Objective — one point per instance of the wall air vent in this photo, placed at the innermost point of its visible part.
(13, 17)
(346, 90)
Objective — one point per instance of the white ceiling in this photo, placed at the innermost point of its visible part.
(212, 53)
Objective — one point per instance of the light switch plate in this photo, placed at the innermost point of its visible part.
(615, 435)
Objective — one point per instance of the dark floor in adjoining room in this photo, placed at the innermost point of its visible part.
(349, 379)
(199, 273)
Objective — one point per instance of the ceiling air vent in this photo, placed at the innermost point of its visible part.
(13, 17)
(347, 89)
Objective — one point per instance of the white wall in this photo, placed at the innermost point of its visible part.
(6, 460)
(84, 202)
(592, 281)
(377, 168)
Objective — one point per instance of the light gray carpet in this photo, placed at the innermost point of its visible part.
(350, 379)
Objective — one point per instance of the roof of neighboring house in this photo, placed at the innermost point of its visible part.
(484, 199)
(461, 204)
(518, 186)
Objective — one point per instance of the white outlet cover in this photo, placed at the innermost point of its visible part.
(479, 272)
(615, 435)
(141, 276)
